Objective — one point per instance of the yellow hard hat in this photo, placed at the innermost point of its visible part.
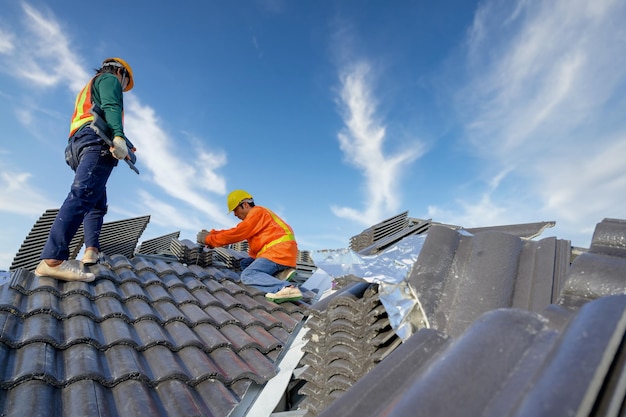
(235, 197)
(119, 62)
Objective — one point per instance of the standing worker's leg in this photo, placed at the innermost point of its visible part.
(92, 225)
(89, 183)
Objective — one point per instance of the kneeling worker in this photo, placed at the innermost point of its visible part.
(272, 247)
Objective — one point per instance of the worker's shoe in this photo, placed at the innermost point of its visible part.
(66, 271)
(286, 274)
(90, 257)
(290, 293)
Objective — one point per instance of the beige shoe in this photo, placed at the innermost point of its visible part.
(68, 271)
(286, 274)
(290, 293)
(91, 257)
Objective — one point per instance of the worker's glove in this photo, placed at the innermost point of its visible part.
(201, 237)
(119, 148)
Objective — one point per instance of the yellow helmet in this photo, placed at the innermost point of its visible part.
(120, 63)
(235, 197)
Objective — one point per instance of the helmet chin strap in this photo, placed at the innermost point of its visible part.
(123, 78)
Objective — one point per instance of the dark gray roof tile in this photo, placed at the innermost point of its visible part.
(267, 341)
(220, 316)
(609, 237)
(157, 292)
(109, 306)
(239, 339)
(115, 331)
(211, 336)
(204, 297)
(194, 313)
(103, 288)
(171, 281)
(20, 402)
(129, 290)
(227, 300)
(177, 399)
(81, 361)
(127, 275)
(40, 328)
(150, 333)
(259, 363)
(246, 318)
(78, 304)
(457, 277)
(168, 312)
(219, 400)
(80, 329)
(281, 333)
(181, 335)
(233, 367)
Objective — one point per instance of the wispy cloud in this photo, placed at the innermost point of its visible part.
(544, 98)
(42, 55)
(18, 195)
(362, 143)
(184, 177)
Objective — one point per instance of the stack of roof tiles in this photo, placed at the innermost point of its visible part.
(230, 257)
(157, 246)
(117, 237)
(121, 237)
(190, 253)
(374, 233)
(347, 336)
(28, 254)
(240, 246)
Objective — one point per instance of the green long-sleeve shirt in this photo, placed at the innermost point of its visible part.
(107, 94)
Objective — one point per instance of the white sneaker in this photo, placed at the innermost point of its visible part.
(290, 293)
(286, 274)
(91, 257)
(67, 271)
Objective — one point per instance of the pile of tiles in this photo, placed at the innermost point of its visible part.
(231, 258)
(346, 337)
(157, 245)
(190, 253)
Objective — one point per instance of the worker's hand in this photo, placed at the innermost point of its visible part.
(119, 150)
(201, 237)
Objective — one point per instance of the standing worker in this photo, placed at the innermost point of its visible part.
(92, 160)
(272, 247)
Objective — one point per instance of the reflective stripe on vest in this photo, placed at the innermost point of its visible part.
(287, 237)
(82, 107)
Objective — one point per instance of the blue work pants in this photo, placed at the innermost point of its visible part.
(259, 273)
(86, 202)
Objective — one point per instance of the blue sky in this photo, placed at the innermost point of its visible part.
(335, 114)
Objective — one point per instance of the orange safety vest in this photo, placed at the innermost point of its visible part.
(82, 109)
(287, 237)
(282, 249)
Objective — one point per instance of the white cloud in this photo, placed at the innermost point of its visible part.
(183, 175)
(543, 99)
(17, 195)
(362, 142)
(42, 55)
(6, 42)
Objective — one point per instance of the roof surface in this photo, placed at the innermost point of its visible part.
(146, 338)
(508, 324)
